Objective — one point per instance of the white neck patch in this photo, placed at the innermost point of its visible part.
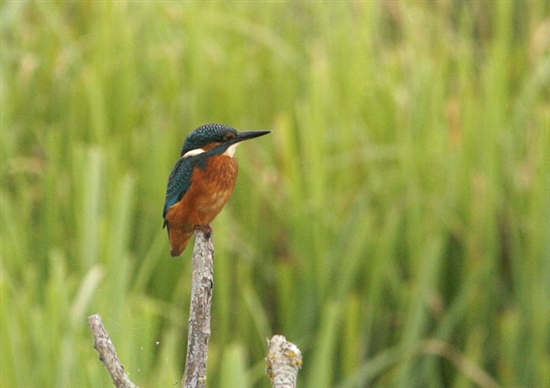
(193, 152)
(231, 150)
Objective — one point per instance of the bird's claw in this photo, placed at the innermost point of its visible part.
(206, 229)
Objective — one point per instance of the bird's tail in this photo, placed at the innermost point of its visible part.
(179, 238)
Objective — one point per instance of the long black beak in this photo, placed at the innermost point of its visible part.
(247, 135)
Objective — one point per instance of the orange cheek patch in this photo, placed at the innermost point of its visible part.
(210, 146)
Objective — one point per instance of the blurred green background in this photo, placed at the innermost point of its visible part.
(394, 225)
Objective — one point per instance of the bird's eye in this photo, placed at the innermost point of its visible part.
(228, 136)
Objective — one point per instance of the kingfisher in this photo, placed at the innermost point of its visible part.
(202, 181)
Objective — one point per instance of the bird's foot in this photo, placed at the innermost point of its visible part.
(206, 229)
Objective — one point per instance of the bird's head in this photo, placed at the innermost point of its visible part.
(223, 138)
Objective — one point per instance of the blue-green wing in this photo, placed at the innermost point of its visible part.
(178, 183)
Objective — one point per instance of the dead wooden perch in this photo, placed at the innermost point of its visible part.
(199, 314)
(284, 360)
(199, 323)
(107, 353)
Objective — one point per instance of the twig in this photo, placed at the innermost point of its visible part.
(283, 362)
(199, 316)
(107, 353)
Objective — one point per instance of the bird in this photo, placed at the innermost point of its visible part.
(201, 181)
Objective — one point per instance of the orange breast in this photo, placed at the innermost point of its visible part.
(210, 190)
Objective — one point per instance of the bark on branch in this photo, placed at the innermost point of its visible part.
(199, 316)
(284, 360)
(107, 353)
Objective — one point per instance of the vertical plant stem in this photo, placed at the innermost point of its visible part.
(199, 316)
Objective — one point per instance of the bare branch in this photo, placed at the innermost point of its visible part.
(283, 362)
(199, 316)
(107, 353)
